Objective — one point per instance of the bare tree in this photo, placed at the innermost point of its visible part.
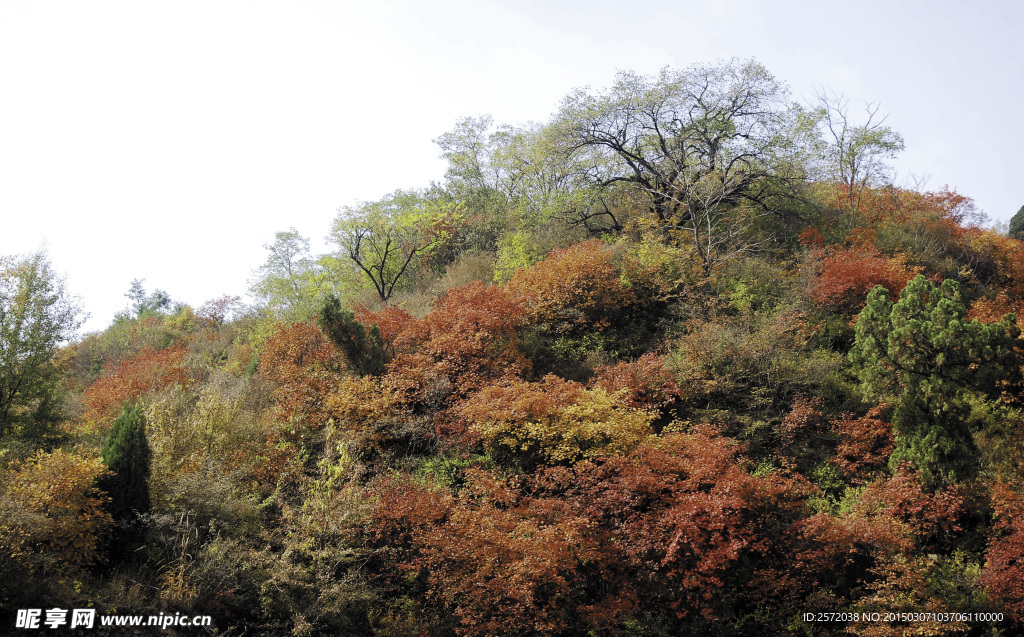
(382, 239)
(855, 154)
(701, 143)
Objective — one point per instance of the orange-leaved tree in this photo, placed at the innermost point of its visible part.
(467, 340)
(848, 274)
(492, 557)
(864, 446)
(644, 383)
(686, 527)
(574, 288)
(390, 321)
(894, 205)
(306, 367)
(1003, 576)
(132, 378)
(935, 519)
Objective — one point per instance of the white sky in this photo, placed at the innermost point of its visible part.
(170, 140)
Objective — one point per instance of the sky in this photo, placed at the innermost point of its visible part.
(168, 141)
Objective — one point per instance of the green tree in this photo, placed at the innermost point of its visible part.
(521, 176)
(363, 348)
(126, 453)
(383, 238)
(1016, 228)
(292, 281)
(475, 175)
(855, 154)
(36, 315)
(922, 356)
(697, 142)
(147, 304)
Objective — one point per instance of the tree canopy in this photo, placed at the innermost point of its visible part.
(698, 142)
(1017, 224)
(922, 355)
(37, 315)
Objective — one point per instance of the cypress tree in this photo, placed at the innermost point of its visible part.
(126, 453)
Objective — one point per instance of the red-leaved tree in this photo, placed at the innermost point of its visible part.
(132, 378)
(306, 368)
(468, 340)
(575, 287)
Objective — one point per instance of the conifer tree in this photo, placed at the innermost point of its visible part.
(363, 348)
(126, 453)
(1016, 229)
(922, 356)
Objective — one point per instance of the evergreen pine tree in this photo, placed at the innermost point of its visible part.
(922, 356)
(1016, 229)
(363, 348)
(126, 453)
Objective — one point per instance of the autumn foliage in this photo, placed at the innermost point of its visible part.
(468, 339)
(685, 520)
(848, 274)
(493, 556)
(1004, 571)
(642, 384)
(391, 321)
(933, 518)
(51, 505)
(864, 444)
(130, 379)
(657, 530)
(603, 395)
(553, 421)
(305, 367)
(574, 288)
(902, 206)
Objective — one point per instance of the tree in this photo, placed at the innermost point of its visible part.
(216, 311)
(521, 175)
(131, 378)
(493, 558)
(36, 315)
(468, 339)
(382, 238)
(306, 369)
(687, 532)
(573, 289)
(642, 384)
(475, 173)
(698, 142)
(553, 422)
(126, 453)
(363, 348)
(922, 356)
(1004, 570)
(147, 304)
(292, 281)
(50, 507)
(1017, 224)
(847, 274)
(854, 153)
(864, 444)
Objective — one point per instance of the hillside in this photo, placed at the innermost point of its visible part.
(680, 360)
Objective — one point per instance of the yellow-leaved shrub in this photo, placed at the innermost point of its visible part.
(50, 508)
(554, 421)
